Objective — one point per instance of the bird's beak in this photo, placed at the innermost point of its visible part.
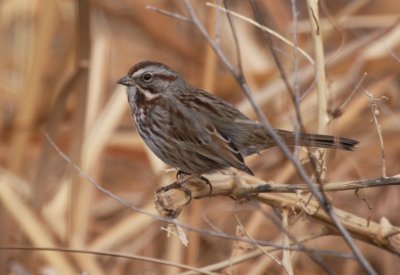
(126, 80)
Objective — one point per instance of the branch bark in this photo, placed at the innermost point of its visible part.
(170, 203)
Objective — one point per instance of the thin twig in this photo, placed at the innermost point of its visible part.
(336, 112)
(108, 254)
(263, 28)
(286, 254)
(168, 13)
(296, 82)
(314, 257)
(256, 253)
(322, 91)
(373, 104)
(364, 199)
(235, 38)
(278, 63)
(261, 248)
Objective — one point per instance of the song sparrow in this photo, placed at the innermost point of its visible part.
(196, 132)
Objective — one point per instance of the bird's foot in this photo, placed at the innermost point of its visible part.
(180, 176)
(206, 181)
(177, 185)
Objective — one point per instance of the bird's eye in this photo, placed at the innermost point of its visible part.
(147, 77)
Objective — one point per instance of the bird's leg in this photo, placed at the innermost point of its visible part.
(182, 174)
(178, 184)
(181, 178)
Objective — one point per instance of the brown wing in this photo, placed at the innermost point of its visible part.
(198, 134)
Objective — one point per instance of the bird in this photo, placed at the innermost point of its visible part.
(196, 132)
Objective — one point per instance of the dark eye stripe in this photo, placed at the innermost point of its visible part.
(165, 77)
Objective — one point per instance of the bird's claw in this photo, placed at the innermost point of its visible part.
(180, 174)
(177, 185)
(206, 181)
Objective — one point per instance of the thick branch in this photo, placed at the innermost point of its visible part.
(170, 203)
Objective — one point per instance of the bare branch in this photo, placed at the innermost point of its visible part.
(168, 13)
(263, 28)
(375, 234)
(278, 63)
(108, 254)
(253, 254)
(372, 101)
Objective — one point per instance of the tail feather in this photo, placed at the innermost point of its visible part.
(257, 139)
(316, 140)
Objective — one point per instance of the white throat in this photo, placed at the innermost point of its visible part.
(148, 95)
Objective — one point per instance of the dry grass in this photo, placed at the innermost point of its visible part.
(57, 76)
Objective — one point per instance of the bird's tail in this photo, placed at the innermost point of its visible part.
(259, 140)
(316, 140)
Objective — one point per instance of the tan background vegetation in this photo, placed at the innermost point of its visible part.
(58, 67)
